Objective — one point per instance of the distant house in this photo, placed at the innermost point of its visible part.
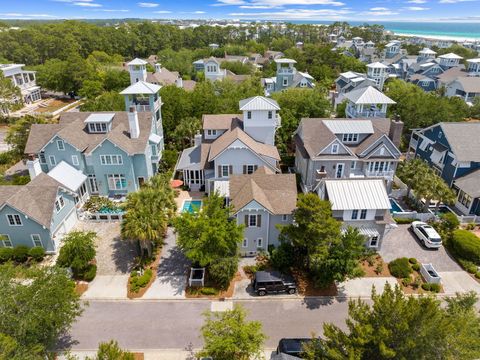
(367, 102)
(36, 214)
(213, 71)
(466, 88)
(116, 151)
(137, 69)
(23, 79)
(346, 148)
(453, 152)
(359, 203)
(287, 77)
(261, 201)
(232, 144)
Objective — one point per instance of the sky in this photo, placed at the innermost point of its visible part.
(329, 10)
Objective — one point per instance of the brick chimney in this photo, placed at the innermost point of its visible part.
(395, 132)
(133, 122)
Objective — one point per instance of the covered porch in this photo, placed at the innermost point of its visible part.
(73, 180)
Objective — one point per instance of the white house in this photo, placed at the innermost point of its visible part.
(23, 79)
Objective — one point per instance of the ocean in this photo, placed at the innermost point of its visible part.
(440, 30)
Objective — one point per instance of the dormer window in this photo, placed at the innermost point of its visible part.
(351, 138)
(335, 149)
(99, 123)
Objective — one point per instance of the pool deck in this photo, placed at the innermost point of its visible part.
(187, 195)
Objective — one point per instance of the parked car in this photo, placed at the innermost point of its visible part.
(267, 282)
(426, 234)
(292, 347)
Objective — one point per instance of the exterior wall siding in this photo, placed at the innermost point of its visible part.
(62, 155)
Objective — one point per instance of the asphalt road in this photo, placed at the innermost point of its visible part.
(143, 325)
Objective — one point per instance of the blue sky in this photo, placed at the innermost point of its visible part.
(354, 10)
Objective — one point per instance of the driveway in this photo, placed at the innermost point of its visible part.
(401, 242)
(172, 272)
(115, 258)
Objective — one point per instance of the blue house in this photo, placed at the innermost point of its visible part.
(36, 214)
(453, 151)
(116, 151)
(287, 76)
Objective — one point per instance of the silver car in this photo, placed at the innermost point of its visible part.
(426, 234)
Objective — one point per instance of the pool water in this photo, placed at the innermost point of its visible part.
(395, 206)
(191, 206)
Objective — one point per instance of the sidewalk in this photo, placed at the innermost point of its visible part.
(167, 354)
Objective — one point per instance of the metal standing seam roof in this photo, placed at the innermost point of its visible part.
(141, 87)
(285, 61)
(474, 61)
(68, 176)
(138, 61)
(96, 118)
(349, 194)
(258, 103)
(368, 95)
(349, 127)
(427, 51)
(377, 65)
(450, 56)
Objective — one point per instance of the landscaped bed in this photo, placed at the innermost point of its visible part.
(407, 272)
(374, 266)
(210, 291)
(138, 283)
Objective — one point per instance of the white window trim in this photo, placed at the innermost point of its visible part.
(54, 162)
(8, 239)
(61, 203)
(356, 212)
(335, 146)
(221, 171)
(284, 217)
(75, 160)
(39, 239)
(117, 177)
(259, 243)
(14, 219)
(365, 211)
(245, 243)
(60, 148)
(103, 160)
(40, 157)
(250, 216)
(253, 168)
(370, 242)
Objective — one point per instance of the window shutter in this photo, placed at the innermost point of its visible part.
(246, 220)
(255, 167)
(230, 169)
(259, 220)
(244, 169)
(219, 171)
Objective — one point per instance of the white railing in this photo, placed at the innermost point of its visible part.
(143, 108)
(285, 71)
(352, 112)
(384, 173)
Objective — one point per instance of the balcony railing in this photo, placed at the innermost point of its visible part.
(377, 173)
(352, 112)
(285, 71)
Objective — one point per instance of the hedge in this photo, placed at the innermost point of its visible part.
(403, 220)
(138, 282)
(466, 245)
(37, 253)
(400, 268)
(6, 254)
(20, 253)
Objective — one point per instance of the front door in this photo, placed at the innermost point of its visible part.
(92, 181)
(339, 172)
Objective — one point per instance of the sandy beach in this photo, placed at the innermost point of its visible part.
(438, 37)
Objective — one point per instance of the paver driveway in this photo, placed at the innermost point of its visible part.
(401, 242)
(171, 273)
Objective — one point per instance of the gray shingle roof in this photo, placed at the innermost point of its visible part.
(276, 192)
(221, 121)
(71, 128)
(463, 138)
(35, 199)
(470, 84)
(470, 183)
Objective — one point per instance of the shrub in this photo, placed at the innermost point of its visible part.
(208, 291)
(223, 271)
(90, 273)
(282, 257)
(403, 220)
(416, 267)
(412, 261)
(6, 254)
(450, 221)
(6, 157)
(138, 282)
(468, 266)
(37, 253)
(406, 281)
(435, 287)
(426, 286)
(471, 226)
(20, 253)
(379, 268)
(77, 252)
(466, 245)
(477, 275)
(400, 268)
(250, 269)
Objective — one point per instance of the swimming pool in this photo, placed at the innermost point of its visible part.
(191, 206)
(395, 206)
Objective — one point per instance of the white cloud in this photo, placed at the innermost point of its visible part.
(379, 9)
(199, 12)
(417, 1)
(297, 14)
(114, 10)
(147, 4)
(270, 4)
(162, 12)
(229, 2)
(453, 1)
(86, 4)
(416, 8)
(19, 15)
(256, 7)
